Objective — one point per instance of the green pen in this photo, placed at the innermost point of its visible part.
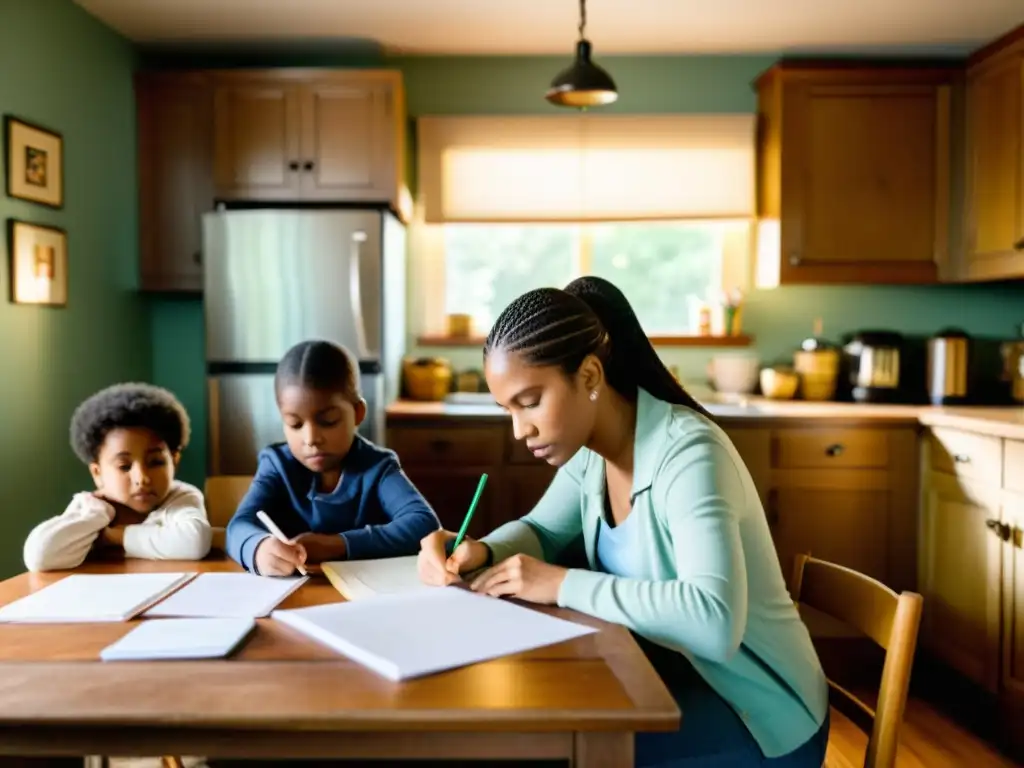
(472, 509)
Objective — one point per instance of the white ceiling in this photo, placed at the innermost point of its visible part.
(549, 26)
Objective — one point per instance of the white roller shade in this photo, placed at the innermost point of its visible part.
(586, 167)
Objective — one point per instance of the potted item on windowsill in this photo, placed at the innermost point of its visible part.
(460, 326)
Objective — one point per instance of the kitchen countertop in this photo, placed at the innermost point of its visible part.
(998, 421)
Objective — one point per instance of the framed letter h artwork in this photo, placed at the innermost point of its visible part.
(39, 264)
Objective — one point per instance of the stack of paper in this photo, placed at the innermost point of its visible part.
(88, 597)
(164, 639)
(227, 595)
(420, 631)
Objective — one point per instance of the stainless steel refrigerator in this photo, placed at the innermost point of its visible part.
(277, 276)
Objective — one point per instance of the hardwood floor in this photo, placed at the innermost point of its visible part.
(928, 739)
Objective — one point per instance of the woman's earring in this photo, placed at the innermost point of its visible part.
(593, 395)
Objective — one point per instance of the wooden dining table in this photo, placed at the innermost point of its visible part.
(283, 695)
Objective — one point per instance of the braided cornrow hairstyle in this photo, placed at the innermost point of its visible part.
(552, 327)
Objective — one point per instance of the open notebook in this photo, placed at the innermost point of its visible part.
(429, 629)
(225, 595)
(164, 639)
(356, 579)
(88, 597)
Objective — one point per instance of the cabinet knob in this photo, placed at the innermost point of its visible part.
(440, 446)
(834, 450)
(794, 259)
(197, 258)
(961, 458)
(1002, 530)
(1019, 245)
(293, 165)
(308, 165)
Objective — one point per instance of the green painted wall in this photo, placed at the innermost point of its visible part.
(66, 71)
(508, 85)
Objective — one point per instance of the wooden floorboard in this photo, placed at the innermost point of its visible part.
(928, 739)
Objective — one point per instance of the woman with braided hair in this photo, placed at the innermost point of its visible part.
(678, 547)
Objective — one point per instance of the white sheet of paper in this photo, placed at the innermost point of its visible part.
(430, 629)
(94, 597)
(227, 595)
(160, 639)
(366, 578)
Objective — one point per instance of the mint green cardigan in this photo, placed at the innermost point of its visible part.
(713, 589)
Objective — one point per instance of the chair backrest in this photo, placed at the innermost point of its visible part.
(888, 618)
(223, 494)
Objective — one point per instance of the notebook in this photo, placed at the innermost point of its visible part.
(163, 639)
(356, 579)
(227, 595)
(94, 597)
(429, 629)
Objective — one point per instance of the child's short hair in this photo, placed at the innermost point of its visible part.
(321, 365)
(128, 405)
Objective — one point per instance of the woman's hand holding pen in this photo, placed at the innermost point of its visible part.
(519, 576)
(437, 569)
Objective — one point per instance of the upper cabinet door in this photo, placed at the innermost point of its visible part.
(257, 131)
(175, 150)
(349, 141)
(995, 168)
(854, 168)
(864, 181)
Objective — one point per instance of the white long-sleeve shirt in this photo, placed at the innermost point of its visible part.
(176, 530)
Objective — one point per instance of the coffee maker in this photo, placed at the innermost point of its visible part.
(948, 367)
(873, 361)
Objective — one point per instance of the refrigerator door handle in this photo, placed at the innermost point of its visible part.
(213, 425)
(355, 294)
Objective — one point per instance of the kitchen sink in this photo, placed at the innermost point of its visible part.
(469, 398)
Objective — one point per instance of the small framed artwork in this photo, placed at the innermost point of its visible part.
(39, 263)
(35, 163)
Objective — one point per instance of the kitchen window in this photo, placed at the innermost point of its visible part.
(661, 205)
(665, 269)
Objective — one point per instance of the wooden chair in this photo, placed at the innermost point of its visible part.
(891, 620)
(223, 494)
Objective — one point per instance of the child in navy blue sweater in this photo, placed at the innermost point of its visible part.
(334, 493)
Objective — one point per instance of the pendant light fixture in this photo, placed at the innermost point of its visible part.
(584, 84)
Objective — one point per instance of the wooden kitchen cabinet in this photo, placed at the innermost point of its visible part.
(960, 576)
(853, 171)
(846, 494)
(288, 135)
(175, 159)
(972, 564)
(1012, 657)
(310, 135)
(995, 161)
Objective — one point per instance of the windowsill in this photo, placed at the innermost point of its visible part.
(741, 340)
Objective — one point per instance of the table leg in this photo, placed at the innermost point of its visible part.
(603, 750)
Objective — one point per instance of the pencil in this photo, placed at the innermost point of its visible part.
(472, 509)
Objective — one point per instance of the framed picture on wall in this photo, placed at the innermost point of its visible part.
(35, 162)
(39, 263)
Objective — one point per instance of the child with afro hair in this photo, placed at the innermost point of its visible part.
(130, 436)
